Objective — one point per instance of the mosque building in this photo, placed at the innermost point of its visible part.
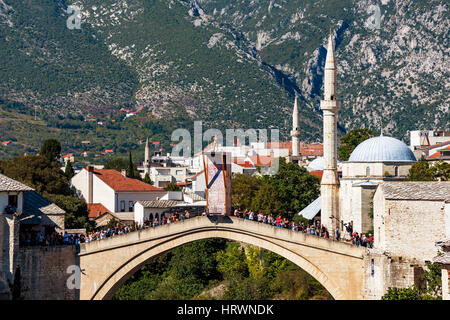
(349, 199)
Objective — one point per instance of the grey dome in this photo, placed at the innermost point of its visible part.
(382, 149)
(316, 165)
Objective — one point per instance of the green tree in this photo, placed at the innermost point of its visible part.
(172, 187)
(147, 179)
(244, 189)
(38, 172)
(412, 293)
(432, 277)
(120, 164)
(294, 186)
(76, 210)
(265, 200)
(431, 290)
(441, 170)
(51, 149)
(231, 262)
(131, 167)
(46, 177)
(69, 170)
(351, 140)
(421, 171)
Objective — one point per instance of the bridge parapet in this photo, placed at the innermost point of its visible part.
(224, 223)
(107, 263)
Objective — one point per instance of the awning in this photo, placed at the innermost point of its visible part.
(311, 210)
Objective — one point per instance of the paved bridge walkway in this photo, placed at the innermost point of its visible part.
(107, 264)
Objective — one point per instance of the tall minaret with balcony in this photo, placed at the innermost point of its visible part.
(330, 182)
(295, 133)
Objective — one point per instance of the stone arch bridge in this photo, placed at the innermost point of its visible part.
(108, 263)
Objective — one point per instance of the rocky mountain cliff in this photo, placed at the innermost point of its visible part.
(231, 63)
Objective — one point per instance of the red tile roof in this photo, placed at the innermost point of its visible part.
(262, 160)
(305, 149)
(439, 154)
(243, 163)
(197, 174)
(435, 145)
(118, 182)
(318, 174)
(96, 210)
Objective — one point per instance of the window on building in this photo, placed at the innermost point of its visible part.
(368, 171)
(122, 205)
(131, 206)
(396, 171)
(12, 200)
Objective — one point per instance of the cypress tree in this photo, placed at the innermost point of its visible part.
(69, 172)
(130, 170)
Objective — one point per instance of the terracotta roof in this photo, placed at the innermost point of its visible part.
(197, 174)
(438, 153)
(8, 184)
(317, 173)
(184, 183)
(262, 160)
(305, 149)
(118, 182)
(241, 162)
(96, 210)
(280, 145)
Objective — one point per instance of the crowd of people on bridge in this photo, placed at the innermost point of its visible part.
(314, 228)
(103, 233)
(54, 238)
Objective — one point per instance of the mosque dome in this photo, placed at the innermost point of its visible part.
(316, 165)
(382, 149)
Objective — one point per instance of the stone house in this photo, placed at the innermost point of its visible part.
(410, 217)
(22, 211)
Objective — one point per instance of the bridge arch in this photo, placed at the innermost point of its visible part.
(108, 266)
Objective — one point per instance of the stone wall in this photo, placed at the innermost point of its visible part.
(383, 272)
(9, 244)
(412, 228)
(44, 272)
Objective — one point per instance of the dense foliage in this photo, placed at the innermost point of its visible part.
(430, 290)
(217, 269)
(351, 140)
(172, 187)
(286, 192)
(47, 178)
(51, 149)
(120, 164)
(422, 170)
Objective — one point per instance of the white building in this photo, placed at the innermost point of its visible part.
(113, 190)
(373, 161)
(173, 201)
(162, 176)
(425, 138)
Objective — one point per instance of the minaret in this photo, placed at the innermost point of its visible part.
(329, 188)
(295, 133)
(147, 158)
